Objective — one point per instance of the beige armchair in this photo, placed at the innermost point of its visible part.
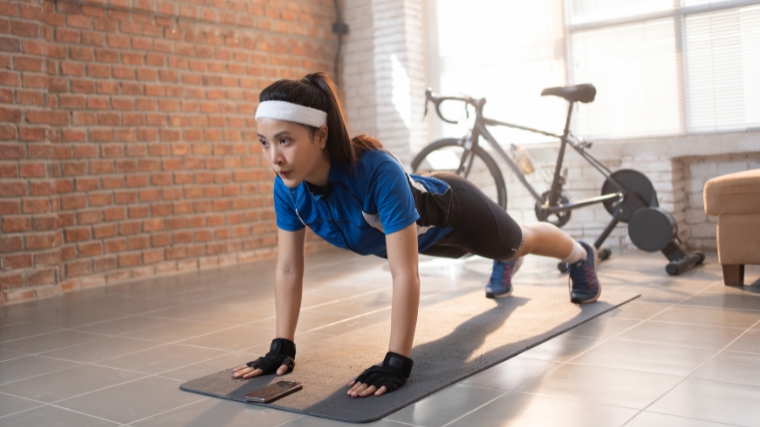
(735, 200)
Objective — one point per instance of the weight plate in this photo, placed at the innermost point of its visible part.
(651, 229)
(633, 182)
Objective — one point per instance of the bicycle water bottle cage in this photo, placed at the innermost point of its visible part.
(581, 93)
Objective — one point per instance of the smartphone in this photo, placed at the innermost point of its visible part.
(273, 392)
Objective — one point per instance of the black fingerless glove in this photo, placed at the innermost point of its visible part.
(281, 352)
(392, 373)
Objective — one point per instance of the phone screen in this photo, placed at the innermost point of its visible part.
(273, 392)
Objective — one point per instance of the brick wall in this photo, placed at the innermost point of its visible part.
(127, 138)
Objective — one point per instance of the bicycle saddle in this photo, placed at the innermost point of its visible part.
(584, 93)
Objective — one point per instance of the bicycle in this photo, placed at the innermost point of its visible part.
(627, 195)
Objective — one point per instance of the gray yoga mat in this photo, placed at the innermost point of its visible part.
(458, 334)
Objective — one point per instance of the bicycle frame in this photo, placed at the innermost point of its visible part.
(551, 205)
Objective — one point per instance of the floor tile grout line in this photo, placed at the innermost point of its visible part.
(401, 422)
(362, 315)
(170, 410)
(687, 418)
(477, 408)
(666, 344)
(20, 412)
(575, 399)
(698, 368)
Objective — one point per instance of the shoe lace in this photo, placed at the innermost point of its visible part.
(582, 277)
(500, 272)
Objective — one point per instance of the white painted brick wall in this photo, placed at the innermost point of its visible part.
(383, 99)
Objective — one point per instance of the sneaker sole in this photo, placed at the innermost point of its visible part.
(491, 295)
(588, 301)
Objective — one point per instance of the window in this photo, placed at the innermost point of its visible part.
(661, 67)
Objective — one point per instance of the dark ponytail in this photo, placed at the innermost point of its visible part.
(316, 90)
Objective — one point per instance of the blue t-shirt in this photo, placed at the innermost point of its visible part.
(356, 212)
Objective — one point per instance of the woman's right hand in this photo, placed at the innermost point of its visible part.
(245, 372)
(280, 359)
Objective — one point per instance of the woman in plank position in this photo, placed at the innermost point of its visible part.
(355, 195)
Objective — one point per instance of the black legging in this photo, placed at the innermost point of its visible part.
(481, 227)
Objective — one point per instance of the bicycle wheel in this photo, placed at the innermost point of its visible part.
(445, 155)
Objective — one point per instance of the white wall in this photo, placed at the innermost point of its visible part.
(384, 71)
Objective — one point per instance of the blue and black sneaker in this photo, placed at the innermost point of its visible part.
(500, 284)
(584, 286)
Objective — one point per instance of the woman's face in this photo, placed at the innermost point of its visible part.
(295, 155)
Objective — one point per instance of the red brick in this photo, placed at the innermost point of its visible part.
(127, 228)
(32, 134)
(129, 260)
(42, 188)
(114, 214)
(11, 281)
(138, 242)
(45, 223)
(11, 243)
(41, 277)
(7, 132)
(93, 39)
(72, 202)
(77, 234)
(8, 170)
(175, 253)
(47, 258)
(72, 68)
(98, 71)
(139, 211)
(16, 224)
(81, 53)
(78, 268)
(104, 167)
(100, 199)
(15, 262)
(10, 115)
(12, 151)
(9, 207)
(161, 209)
(40, 241)
(78, 21)
(103, 264)
(153, 256)
(89, 217)
(107, 87)
(36, 205)
(9, 78)
(101, 135)
(90, 249)
(33, 170)
(113, 182)
(115, 246)
(103, 231)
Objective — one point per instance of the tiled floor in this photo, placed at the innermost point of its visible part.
(687, 353)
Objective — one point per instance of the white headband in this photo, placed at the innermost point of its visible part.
(283, 110)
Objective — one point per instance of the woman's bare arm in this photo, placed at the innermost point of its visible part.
(288, 289)
(403, 261)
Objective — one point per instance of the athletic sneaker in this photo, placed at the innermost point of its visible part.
(584, 286)
(500, 284)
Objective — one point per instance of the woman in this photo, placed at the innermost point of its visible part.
(357, 196)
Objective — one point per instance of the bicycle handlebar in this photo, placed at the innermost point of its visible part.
(438, 100)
